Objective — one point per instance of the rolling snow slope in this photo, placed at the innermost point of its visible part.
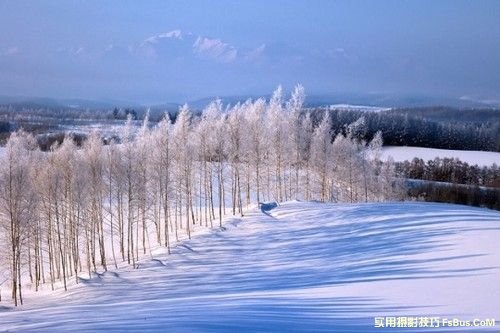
(299, 267)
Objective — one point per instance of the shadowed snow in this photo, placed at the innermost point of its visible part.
(297, 267)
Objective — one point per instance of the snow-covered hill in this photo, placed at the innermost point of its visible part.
(481, 158)
(300, 267)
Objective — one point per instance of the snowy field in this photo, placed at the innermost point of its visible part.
(300, 267)
(363, 108)
(481, 158)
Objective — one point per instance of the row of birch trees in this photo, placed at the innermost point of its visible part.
(73, 211)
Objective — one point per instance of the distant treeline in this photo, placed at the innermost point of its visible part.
(456, 193)
(16, 113)
(450, 170)
(433, 127)
(4, 130)
(451, 115)
(444, 128)
(452, 181)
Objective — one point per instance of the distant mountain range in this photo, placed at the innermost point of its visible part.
(31, 101)
(370, 100)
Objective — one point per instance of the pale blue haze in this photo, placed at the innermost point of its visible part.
(99, 49)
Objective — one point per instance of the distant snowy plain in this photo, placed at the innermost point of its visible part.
(299, 267)
(481, 158)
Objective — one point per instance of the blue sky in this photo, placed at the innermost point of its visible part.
(158, 51)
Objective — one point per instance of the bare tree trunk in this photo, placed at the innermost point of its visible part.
(121, 223)
(210, 175)
(188, 185)
(220, 193)
(110, 202)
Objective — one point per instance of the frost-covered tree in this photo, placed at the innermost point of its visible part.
(297, 135)
(255, 147)
(183, 159)
(144, 180)
(94, 169)
(16, 204)
(235, 133)
(306, 134)
(162, 165)
(128, 176)
(278, 140)
(321, 155)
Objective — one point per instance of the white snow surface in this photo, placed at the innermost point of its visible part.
(300, 267)
(364, 108)
(481, 158)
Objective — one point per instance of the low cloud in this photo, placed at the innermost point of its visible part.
(174, 34)
(187, 44)
(215, 49)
